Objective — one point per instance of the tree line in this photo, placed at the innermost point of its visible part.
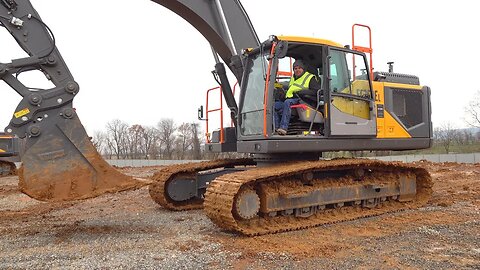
(167, 140)
(447, 135)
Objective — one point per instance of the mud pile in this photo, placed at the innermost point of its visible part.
(74, 181)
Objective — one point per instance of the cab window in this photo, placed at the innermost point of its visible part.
(348, 74)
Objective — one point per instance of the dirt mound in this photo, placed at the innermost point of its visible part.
(73, 181)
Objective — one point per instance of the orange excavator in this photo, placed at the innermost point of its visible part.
(284, 184)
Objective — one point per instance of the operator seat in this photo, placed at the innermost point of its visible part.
(310, 97)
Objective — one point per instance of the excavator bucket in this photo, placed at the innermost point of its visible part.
(64, 165)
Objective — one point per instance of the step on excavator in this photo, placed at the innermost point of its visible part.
(284, 184)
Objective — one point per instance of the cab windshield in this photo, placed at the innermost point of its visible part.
(251, 111)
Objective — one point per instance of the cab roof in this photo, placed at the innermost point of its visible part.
(310, 40)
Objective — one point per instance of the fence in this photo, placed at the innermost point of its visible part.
(460, 158)
(145, 162)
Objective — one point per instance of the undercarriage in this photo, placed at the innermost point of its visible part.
(291, 196)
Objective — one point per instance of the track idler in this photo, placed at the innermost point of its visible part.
(182, 187)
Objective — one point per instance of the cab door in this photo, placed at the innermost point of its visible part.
(350, 103)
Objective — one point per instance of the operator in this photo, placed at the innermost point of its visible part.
(301, 80)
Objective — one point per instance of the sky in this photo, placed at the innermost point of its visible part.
(139, 62)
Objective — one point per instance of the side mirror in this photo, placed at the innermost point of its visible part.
(200, 113)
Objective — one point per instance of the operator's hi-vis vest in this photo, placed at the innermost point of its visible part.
(298, 84)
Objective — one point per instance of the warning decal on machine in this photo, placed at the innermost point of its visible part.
(21, 113)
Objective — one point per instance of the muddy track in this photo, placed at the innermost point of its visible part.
(220, 195)
(162, 178)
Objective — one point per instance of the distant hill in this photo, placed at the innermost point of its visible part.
(473, 130)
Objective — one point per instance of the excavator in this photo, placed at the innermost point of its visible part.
(284, 184)
(8, 154)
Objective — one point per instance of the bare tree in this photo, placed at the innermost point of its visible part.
(166, 129)
(157, 149)
(473, 111)
(464, 137)
(184, 139)
(135, 140)
(149, 141)
(167, 141)
(99, 140)
(117, 137)
(197, 151)
(445, 135)
(469, 136)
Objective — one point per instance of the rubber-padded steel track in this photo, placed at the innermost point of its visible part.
(162, 178)
(221, 194)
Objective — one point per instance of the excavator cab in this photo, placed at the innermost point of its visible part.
(342, 108)
(345, 90)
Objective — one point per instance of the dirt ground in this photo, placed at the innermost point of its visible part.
(128, 230)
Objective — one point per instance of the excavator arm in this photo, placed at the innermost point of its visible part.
(60, 162)
(35, 38)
